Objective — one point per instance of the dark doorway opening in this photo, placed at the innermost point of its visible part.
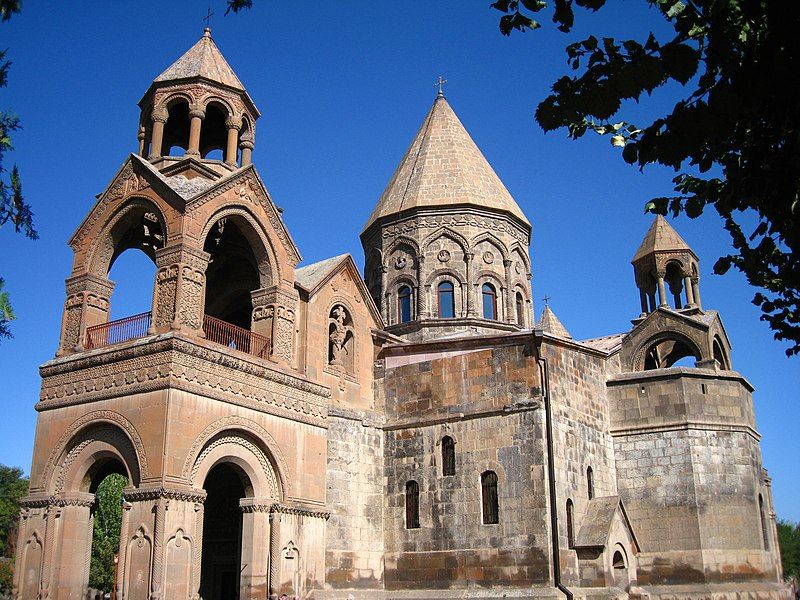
(222, 534)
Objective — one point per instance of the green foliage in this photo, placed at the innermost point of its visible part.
(6, 577)
(13, 486)
(737, 61)
(789, 540)
(13, 207)
(105, 539)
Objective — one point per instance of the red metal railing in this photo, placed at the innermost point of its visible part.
(238, 338)
(117, 331)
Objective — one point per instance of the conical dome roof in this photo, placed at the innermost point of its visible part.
(444, 167)
(661, 237)
(202, 60)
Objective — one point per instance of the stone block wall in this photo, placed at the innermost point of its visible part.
(690, 475)
(354, 535)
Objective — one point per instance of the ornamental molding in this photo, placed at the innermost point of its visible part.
(422, 223)
(157, 493)
(171, 362)
(285, 509)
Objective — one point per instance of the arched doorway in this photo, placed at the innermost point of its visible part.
(106, 518)
(221, 565)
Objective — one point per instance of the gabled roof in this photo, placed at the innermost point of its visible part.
(608, 343)
(202, 60)
(312, 278)
(661, 237)
(596, 525)
(444, 167)
(549, 323)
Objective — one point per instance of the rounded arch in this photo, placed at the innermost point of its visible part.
(214, 130)
(176, 128)
(438, 274)
(171, 99)
(91, 454)
(459, 239)
(720, 355)
(269, 270)
(493, 240)
(80, 430)
(403, 279)
(233, 426)
(213, 99)
(137, 223)
(663, 350)
(244, 452)
(403, 240)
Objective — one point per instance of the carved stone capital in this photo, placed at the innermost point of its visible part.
(246, 144)
(233, 123)
(197, 111)
(159, 116)
(148, 494)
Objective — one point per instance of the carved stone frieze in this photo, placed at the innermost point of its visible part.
(182, 364)
(146, 494)
(414, 224)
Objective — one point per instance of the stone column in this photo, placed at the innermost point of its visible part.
(141, 137)
(157, 137)
(385, 294)
(687, 284)
(19, 567)
(246, 144)
(233, 124)
(662, 292)
(196, 114)
(423, 291)
(471, 311)
(276, 306)
(696, 293)
(274, 554)
(254, 577)
(157, 581)
(643, 301)
(179, 294)
(124, 533)
(52, 516)
(509, 294)
(87, 304)
(197, 550)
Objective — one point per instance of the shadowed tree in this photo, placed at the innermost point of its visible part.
(105, 538)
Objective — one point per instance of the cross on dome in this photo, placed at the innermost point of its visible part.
(440, 83)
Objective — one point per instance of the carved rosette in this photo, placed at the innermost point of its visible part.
(179, 294)
(87, 304)
(274, 311)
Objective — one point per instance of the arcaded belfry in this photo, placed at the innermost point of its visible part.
(285, 430)
(447, 246)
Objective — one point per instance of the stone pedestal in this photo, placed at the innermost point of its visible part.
(179, 295)
(87, 304)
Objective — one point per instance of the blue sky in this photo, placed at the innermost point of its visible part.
(342, 88)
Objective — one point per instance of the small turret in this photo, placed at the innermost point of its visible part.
(665, 261)
(198, 107)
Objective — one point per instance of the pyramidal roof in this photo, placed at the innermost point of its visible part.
(202, 60)
(549, 323)
(444, 167)
(660, 237)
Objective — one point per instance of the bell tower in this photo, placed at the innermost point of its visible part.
(198, 108)
(200, 403)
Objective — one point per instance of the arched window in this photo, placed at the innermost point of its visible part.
(590, 482)
(491, 508)
(489, 301)
(520, 304)
(341, 341)
(446, 300)
(570, 526)
(176, 129)
(412, 505)
(448, 456)
(763, 515)
(666, 352)
(404, 304)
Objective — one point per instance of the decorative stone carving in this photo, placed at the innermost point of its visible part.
(237, 440)
(338, 335)
(488, 257)
(443, 256)
(400, 262)
(180, 281)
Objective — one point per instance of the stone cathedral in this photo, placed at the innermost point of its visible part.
(304, 430)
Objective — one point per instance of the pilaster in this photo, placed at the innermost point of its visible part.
(256, 531)
(274, 311)
(179, 295)
(87, 304)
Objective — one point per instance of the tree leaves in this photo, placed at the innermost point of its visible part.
(738, 62)
(13, 486)
(105, 537)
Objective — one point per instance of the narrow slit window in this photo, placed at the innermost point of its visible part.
(412, 505)
(489, 301)
(590, 482)
(520, 304)
(448, 456)
(491, 508)
(570, 526)
(763, 514)
(446, 298)
(404, 304)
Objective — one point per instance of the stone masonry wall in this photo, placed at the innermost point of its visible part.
(354, 535)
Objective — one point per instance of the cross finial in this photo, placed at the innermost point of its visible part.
(440, 83)
(207, 19)
(546, 300)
